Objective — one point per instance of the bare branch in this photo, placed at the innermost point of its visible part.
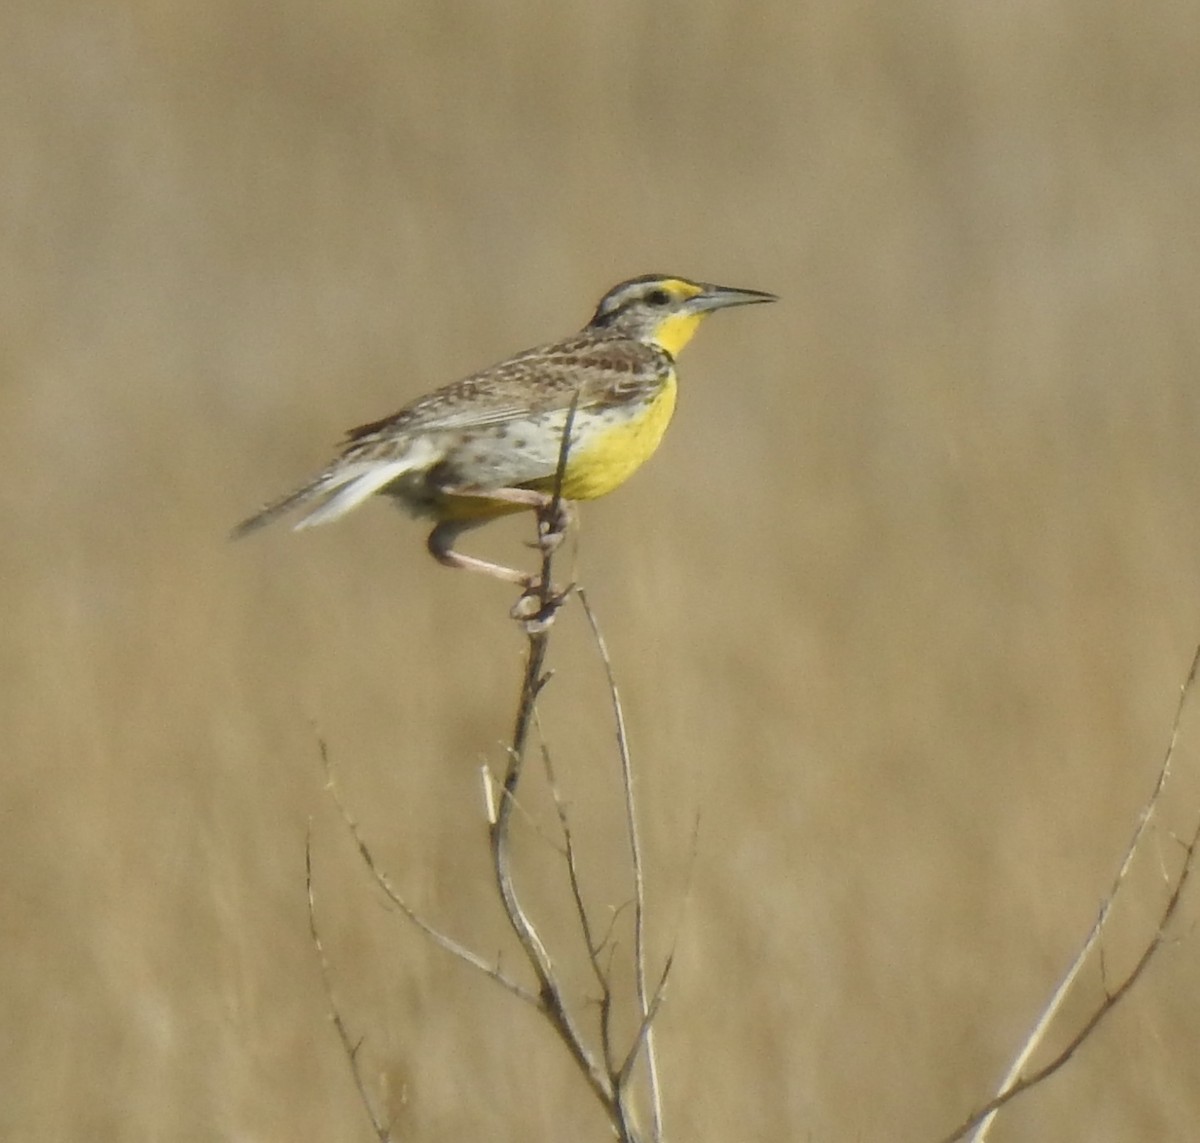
(551, 999)
(442, 940)
(1111, 999)
(1013, 1085)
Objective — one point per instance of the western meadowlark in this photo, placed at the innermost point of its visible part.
(491, 444)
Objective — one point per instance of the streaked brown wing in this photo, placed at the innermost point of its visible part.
(603, 371)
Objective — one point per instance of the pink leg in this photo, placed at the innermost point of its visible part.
(550, 530)
(441, 547)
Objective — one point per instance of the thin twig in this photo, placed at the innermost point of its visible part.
(568, 848)
(1013, 1085)
(594, 948)
(645, 1006)
(539, 831)
(442, 940)
(349, 1046)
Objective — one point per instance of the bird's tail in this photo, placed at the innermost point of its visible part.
(341, 487)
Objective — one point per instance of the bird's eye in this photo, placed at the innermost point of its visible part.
(658, 297)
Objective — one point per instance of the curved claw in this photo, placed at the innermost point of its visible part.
(547, 541)
(536, 609)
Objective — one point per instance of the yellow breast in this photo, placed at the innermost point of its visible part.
(610, 446)
(610, 452)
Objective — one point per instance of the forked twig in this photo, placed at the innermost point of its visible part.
(1013, 1084)
(1111, 998)
(647, 1023)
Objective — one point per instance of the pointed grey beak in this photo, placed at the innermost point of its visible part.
(718, 297)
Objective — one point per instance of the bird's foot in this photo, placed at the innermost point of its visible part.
(538, 605)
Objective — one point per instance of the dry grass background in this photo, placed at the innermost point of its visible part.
(900, 609)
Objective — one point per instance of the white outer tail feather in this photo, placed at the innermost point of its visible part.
(350, 488)
(353, 482)
(341, 488)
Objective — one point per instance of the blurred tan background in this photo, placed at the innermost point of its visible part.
(900, 609)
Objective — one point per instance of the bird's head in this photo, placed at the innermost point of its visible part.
(666, 311)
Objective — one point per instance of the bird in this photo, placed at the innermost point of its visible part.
(492, 443)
